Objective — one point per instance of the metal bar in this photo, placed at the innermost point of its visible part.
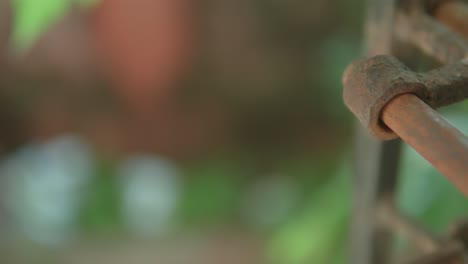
(423, 239)
(433, 38)
(453, 14)
(452, 253)
(376, 168)
(444, 146)
(446, 85)
(376, 164)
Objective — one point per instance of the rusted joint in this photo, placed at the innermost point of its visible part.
(371, 83)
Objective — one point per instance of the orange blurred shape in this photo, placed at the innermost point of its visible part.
(145, 47)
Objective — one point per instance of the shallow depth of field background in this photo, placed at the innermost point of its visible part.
(179, 131)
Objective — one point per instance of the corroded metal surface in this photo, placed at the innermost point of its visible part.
(429, 26)
(372, 88)
(370, 84)
(446, 85)
(444, 146)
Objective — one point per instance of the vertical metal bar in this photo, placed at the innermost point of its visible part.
(375, 178)
(376, 164)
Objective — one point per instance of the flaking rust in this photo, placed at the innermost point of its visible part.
(371, 83)
(392, 101)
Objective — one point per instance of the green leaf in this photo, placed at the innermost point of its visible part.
(317, 234)
(33, 17)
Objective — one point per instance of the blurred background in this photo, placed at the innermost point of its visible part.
(181, 131)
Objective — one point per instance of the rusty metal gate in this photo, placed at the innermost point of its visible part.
(393, 101)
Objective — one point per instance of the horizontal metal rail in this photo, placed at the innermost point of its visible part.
(444, 146)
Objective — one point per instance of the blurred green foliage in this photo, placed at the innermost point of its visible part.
(212, 190)
(101, 210)
(33, 17)
(316, 232)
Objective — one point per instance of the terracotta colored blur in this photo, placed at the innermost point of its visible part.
(444, 146)
(145, 47)
(453, 14)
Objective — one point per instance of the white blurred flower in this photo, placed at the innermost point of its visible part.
(151, 188)
(44, 186)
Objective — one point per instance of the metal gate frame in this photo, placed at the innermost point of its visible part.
(437, 28)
